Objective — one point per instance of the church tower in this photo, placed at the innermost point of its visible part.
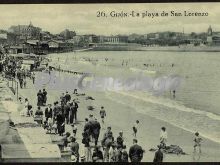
(209, 31)
(209, 35)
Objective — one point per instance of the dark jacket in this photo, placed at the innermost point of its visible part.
(97, 154)
(67, 97)
(158, 157)
(136, 153)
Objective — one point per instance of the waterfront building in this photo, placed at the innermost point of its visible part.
(3, 38)
(59, 46)
(114, 39)
(25, 32)
(213, 38)
(153, 36)
(45, 36)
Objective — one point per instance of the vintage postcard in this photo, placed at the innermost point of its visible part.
(110, 82)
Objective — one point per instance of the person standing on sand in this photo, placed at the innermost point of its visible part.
(74, 127)
(102, 114)
(107, 142)
(39, 98)
(63, 99)
(136, 152)
(87, 148)
(87, 127)
(124, 154)
(25, 83)
(60, 122)
(74, 146)
(163, 137)
(135, 128)
(158, 157)
(26, 104)
(97, 155)
(75, 110)
(44, 97)
(120, 139)
(67, 112)
(67, 96)
(197, 141)
(96, 131)
(71, 113)
(33, 77)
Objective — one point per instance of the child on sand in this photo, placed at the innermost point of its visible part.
(74, 129)
(135, 128)
(163, 137)
(102, 114)
(197, 141)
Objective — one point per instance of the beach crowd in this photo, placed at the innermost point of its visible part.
(53, 117)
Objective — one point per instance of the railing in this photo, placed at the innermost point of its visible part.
(13, 85)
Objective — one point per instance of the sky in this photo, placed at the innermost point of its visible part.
(83, 19)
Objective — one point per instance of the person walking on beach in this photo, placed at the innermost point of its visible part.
(135, 128)
(44, 97)
(96, 131)
(107, 142)
(87, 148)
(136, 152)
(75, 110)
(102, 114)
(88, 128)
(48, 112)
(158, 157)
(39, 98)
(163, 137)
(197, 141)
(67, 112)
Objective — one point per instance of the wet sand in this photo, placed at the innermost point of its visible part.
(121, 117)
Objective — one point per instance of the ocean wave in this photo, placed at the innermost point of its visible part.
(171, 104)
(173, 118)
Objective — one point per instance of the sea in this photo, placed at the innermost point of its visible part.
(196, 105)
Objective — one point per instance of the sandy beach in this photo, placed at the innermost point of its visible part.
(121, 117)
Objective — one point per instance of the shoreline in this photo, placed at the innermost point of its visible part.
(150, 133)
(126, 115)
(179, 108)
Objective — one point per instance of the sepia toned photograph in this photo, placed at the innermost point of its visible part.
(110, 82)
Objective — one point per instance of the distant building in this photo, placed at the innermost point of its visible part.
(213, 38)
(59, 46)
(45, 36)
(153, 36)
(3, 38)
(114, 39)
(13, 39)
(25, 32)
(164, 35)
